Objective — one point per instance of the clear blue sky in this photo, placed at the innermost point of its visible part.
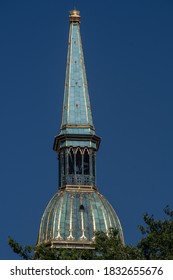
(128, 48)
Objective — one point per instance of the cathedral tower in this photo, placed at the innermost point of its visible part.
(77, 210)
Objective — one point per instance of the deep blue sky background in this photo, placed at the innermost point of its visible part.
(128, 48)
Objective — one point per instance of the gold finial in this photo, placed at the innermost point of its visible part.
(74, 16)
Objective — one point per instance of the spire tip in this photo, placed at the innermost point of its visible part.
(74, 16)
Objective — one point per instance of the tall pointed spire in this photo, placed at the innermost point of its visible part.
(76, 116)
(77, 210)
(77, 129)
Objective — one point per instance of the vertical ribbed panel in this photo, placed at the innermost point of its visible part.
(65, 220)
(76, 106)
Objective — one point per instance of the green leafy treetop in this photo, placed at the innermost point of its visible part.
(157, 243)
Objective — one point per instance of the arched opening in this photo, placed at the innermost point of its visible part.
(81, 208)
(86, 162)
(71, 162)
(78, 162)
(93, 165)
(64, 162)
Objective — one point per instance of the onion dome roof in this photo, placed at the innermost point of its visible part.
(72, 216)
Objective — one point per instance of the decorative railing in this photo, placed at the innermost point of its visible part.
(78, 180)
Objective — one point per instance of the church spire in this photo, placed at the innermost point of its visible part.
(77, 142)
(76, 115)
(77, 210)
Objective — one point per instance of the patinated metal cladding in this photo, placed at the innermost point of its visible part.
(77, 128)
(77, 210)
(72, 217)
(76, 140)
(76, 116)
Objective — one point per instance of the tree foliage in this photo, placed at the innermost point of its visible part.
(25, 252)
(156, 244)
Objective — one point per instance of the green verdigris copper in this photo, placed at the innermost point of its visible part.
(76, 116)
(77, 210)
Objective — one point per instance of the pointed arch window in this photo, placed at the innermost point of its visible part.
(64, 163)
(78, 162)
(93, 165)
(86, 162)
(71, 161)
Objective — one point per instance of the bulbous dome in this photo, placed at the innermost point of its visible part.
(72, 216)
